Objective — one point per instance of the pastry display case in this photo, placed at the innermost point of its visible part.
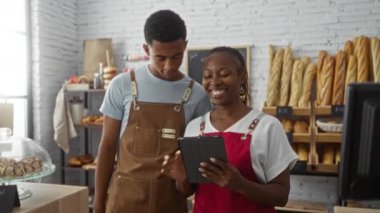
(22, 159)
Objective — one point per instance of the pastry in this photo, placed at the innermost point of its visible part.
(274, 79)
(302, 152)
(321, 57)
(363, 59)
(296, 83)
(286, 77)
(301, 126)
(375, 55)
(308, 79)
(327, 81)
(74, 161)
(287, 124)
(339, 78)
(328, 154)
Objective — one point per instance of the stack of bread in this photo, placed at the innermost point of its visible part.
(109, 72)
(290, 79)
(359, 61)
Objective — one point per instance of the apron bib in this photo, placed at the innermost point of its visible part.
(213, 198)
(152, 132)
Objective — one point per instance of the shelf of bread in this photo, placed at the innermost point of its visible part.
(286, 110)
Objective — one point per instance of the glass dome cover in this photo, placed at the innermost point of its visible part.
(22, 158)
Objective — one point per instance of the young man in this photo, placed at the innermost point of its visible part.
(146, 111)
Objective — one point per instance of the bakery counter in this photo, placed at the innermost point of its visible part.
(47, 198)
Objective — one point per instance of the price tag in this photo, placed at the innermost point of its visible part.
(290, 137)
(8, 197)
(284, 111)
(337, 110)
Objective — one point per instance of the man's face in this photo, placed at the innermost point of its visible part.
(166, 58)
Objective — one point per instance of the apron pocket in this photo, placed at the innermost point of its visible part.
(129, 195)
(146, 141)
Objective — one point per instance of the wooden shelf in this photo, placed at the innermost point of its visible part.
(329, 110)
(90, 125)
(327, 137)
(287, 111)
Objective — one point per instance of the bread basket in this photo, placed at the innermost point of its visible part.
(330, 124)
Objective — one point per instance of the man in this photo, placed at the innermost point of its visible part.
(146, 111)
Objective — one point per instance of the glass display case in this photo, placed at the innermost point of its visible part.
(22, 159)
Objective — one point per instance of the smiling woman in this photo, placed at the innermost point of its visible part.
(14, 73)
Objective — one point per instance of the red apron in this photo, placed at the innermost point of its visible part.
(213, 198)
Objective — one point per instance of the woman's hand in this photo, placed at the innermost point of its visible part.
(221, 173)
(172, 166)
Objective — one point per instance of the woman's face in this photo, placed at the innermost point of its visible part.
(222, 79)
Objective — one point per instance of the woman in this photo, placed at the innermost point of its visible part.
(256, 176)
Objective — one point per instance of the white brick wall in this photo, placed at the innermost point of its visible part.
(307, 25)
(54, 58)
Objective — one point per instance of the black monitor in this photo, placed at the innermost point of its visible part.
(359, 171)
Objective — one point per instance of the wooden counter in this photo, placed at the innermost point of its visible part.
(47, 198)
(340, 209)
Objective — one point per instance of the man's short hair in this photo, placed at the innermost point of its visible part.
(164, 26)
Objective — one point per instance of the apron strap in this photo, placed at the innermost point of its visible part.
(252, 126)
(185, 96)
(134, 93)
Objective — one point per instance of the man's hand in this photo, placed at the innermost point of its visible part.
(173, 167)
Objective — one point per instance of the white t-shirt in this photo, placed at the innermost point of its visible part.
(117, 100)
(270, 150)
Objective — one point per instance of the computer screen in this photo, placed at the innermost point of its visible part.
(359, 170)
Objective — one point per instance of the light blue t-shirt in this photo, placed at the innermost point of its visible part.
(117, 100)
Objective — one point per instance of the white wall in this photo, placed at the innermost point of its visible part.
(307, 25)
(54, 58)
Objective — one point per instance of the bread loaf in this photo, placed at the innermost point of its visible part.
(296, 83)
(305, 60)
(328, 154)
(287, 124)
(286, 77)
(274, 79)
(363, 59)
(327, 81)
(348, 48)
(375, 54)
(271, 53)
(356, 46)
(339, 78)
(321, 56)
(308, 79)
(302, 152)
(351, 71)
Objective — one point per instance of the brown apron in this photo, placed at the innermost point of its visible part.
(152, 132)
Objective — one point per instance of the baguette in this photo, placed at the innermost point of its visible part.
(355, 42)
(375, 55)
(327, 80)
(308, 79)
(348, 48)
(271, 53)
(274, 79)
(296, 84)
(321, 56)
(352, 68)
(305, 60)
(339, 78)
(363, 59)
(286, 77)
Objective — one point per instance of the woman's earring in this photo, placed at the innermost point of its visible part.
(242, 93)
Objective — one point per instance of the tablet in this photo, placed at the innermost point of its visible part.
(199, 149)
